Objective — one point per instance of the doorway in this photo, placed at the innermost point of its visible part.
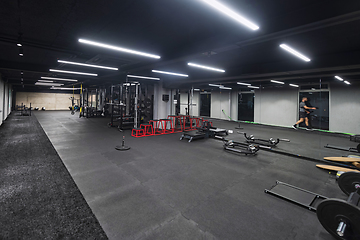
(246, 107)
(205, 104)
(319, 118)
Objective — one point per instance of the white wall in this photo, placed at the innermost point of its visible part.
(220, 100)
(161, 108)
(276, 106)
(5, 100)
(234, 105)
(344, 115)
(183, 102)
(51, 101)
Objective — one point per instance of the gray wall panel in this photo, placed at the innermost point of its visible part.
(344, 113)
(276, 106)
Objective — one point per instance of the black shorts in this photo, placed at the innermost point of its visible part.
(302, 114)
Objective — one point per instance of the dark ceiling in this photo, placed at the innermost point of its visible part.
(180, 31)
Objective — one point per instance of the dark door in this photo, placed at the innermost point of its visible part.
(205, 104)
(246, 107)
(319, 118)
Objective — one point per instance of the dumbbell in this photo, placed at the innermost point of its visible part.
(251, 148)
(342, 218)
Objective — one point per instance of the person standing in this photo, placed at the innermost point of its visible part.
(303, 114)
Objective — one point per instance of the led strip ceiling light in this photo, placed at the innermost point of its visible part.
(228, 88)
(87, 65)
(219, 86)
(294, 52)
(347, 82)
(45, 81)
(70, 72)
(222, 8)
(60, 88)
(277, 82)
(246, 84)
(215, 85)
(170, 73)
(339, 78)
(294, 85)
(49, 84)
(134, 76)
(118, 48)
(206, 67)
(253, 87)
(60, 79)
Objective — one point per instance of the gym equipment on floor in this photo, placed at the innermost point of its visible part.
(353, 138)
(205, 131)
(238, 147)
(339, 217)
(122, 147)
(350, 149)
(336, 168)
(202, 132)
(266, 142)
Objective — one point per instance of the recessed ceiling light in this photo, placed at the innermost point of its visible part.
(171, 73)
(222, 8)
(49, 84)
(347, 82)
(206, 67)
(294, 52)
(134, 76)
(70, 72)
(253, 87)
(246, 84)
(118, 48)
(87, 65)
(277, 82)
(294, 85)
(339, 78)
(19, 44)
(21, 72)
(196, 89)
(60, 79)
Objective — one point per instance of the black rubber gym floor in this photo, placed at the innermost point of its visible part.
(38, 197)
(164, 188)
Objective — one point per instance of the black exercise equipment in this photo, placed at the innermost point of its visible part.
(201, 132)
(23, 110)
(353, 138)
(339, 217)
(238, 147)
(350, 149)
(266, 142)
(122, 147)
(205, 131)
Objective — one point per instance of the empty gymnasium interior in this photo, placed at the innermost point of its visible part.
(180, 119)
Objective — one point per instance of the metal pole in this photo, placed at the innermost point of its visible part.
(136, 105)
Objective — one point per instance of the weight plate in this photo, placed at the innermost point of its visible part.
(331, 212)
(348, 181)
